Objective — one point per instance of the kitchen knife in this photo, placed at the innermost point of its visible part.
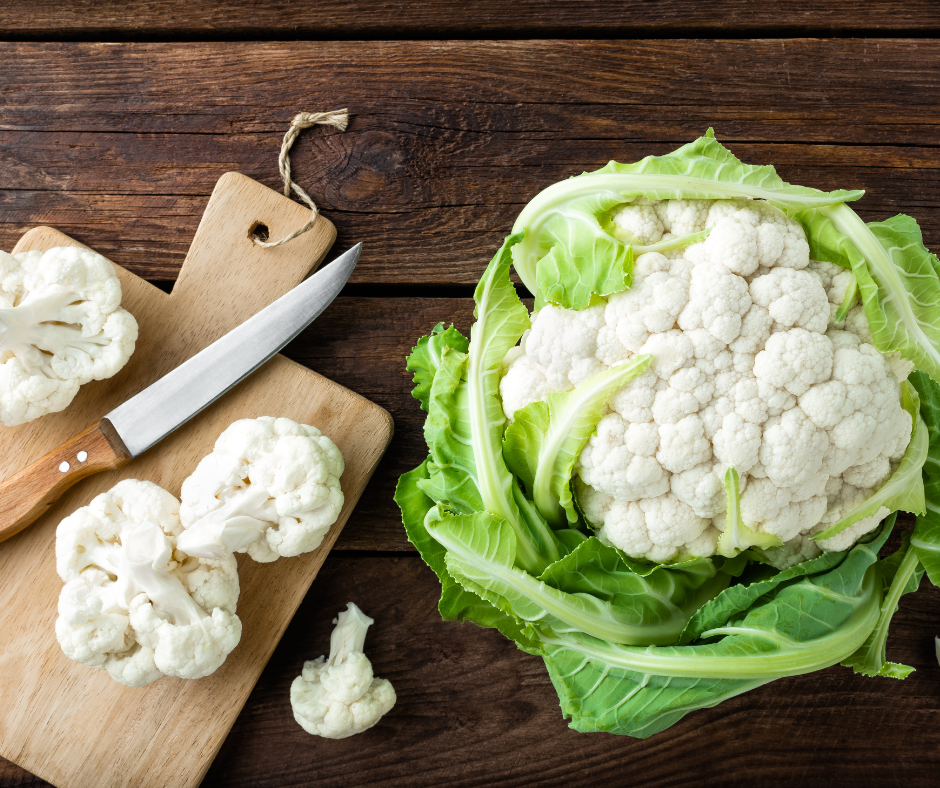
(148, 417)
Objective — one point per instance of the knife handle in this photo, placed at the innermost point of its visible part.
(28, 495)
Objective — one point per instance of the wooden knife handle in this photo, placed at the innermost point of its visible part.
(28, 495)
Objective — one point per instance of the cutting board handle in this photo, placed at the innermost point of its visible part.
(28, 495)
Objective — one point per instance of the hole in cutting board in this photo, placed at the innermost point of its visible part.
(259, 232)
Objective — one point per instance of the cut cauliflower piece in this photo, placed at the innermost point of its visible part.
(135, 605)
(61, 326)
(270, 487)
(338, 696)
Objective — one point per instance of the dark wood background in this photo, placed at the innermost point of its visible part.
(116, 120)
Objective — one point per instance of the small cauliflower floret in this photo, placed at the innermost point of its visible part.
(61, 326)
(794, 360)
(638, 223)
(733, 244)
(659, 293)
(658, 529)
(270, 488)
(620, 460)
(683, 445)
(737, 443)
(683, 217)
(702, 489)
(792, 450)
(793, 298)
(718, 301)
(338, 696)
(133, 603)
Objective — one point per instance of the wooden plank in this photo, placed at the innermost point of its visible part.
(121, 193)
(472, 710)
(45, 699)
(448, 139)
(439, 18)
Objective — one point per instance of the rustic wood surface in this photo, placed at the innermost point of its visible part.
(119, 144)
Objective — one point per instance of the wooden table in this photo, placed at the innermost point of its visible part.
(119, 144)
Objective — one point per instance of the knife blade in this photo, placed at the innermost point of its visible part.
(152, 414)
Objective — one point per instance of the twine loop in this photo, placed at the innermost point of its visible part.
(339, 119)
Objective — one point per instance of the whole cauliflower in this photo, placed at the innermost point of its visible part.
(269, 488)
(61, 325)
(135, 605)
(339, 697)
(749, 370)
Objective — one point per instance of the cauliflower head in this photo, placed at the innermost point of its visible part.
(61, 326)
(749, 369)
(135, 605)
(271, 488)
(339, 697)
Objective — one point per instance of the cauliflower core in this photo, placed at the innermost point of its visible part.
(339, 696)
(269, 488)
(749, 370)
(61, 326)
(135, 605)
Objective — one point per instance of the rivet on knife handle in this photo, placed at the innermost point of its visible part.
(28, 495)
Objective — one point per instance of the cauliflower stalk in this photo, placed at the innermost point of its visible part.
(673, 478)
(269, 488)
(338, 696)
(61, 326)
(135, 605)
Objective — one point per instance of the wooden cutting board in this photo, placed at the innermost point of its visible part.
(71, 724)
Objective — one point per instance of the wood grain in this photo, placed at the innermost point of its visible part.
(120, 145)
(442, 19)
(46, 700)
(29, 494)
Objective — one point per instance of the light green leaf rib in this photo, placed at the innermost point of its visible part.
(544, 441)
(737, 536)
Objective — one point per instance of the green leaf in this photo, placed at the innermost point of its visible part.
(900, 574)
(904, 489)
(501, 320)
(567, 255)
(456, 604)
(481, 557)
(544, 441)
(798, 627)
(896, 276)
(737, 536)
(425, 358)
(926, 536)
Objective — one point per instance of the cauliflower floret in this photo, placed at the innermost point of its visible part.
(683, 445)
(655, 528)
(638, 223)
(271, 488)
(620, 460)
(133, 603)
(718, 301)
(339, 697)
(659, 293)
(792, 298)
(793, 448)
(61, 326)
(794, 360)
(702, 489)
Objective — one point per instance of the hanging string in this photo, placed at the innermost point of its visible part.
(338, 118)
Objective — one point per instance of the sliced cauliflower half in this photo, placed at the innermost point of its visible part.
(271, 488)
(338, 696)
(749, 369)
(135, 605)
(61, 326)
